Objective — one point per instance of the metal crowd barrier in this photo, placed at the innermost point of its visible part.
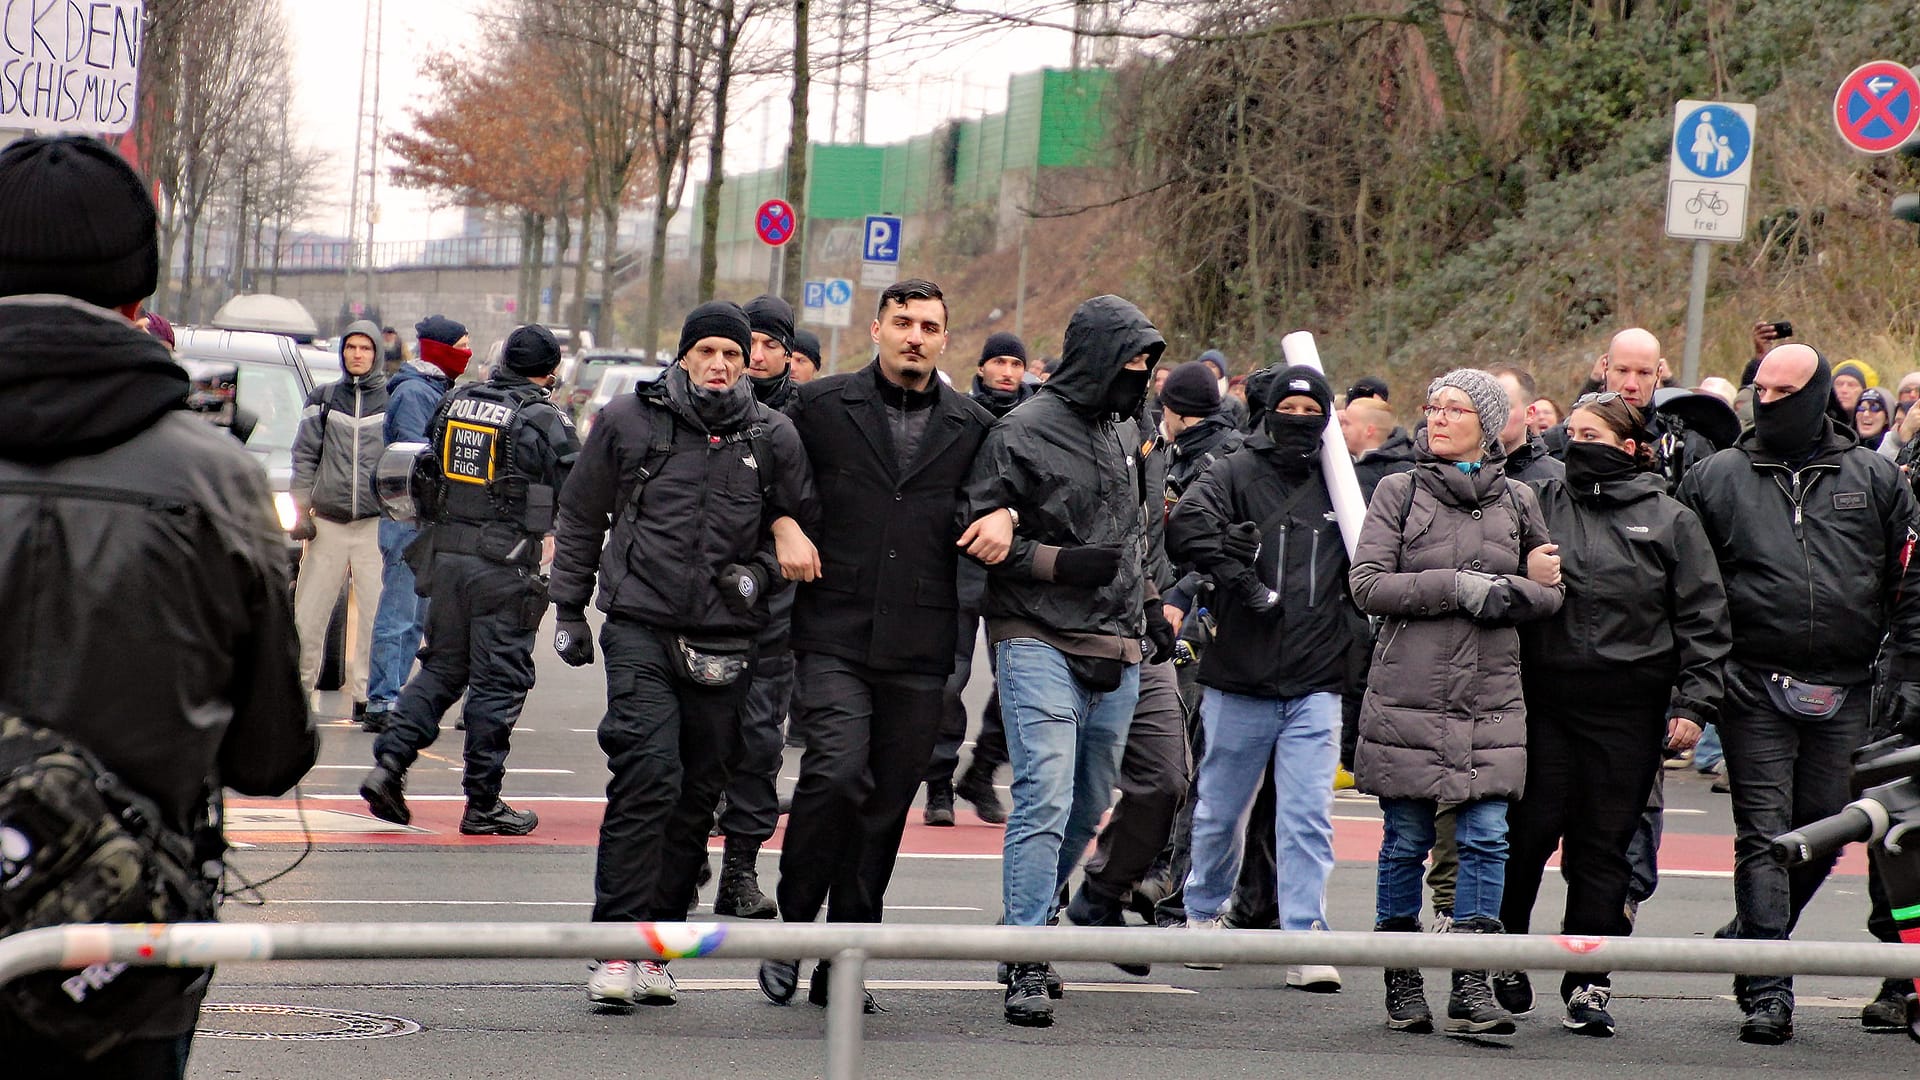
(850, 946)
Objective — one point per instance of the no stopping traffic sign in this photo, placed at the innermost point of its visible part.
(774, 223)
(1878, 107)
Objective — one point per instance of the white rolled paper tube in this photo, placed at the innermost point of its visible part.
(1343, 486)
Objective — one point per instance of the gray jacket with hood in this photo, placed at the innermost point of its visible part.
(341, 438)
(1073, 472)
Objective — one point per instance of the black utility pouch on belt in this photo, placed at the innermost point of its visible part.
(1790, 695)
(714, 661)
(1098, 674)
(533, 602)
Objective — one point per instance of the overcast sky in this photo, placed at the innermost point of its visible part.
(913, 91)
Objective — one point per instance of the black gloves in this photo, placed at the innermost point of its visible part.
(1089, 567)
(1241, 543)
(1903, 712)
(572, 638)
(1160, 632)
(303, 527)
(1482, 596)
(1255, 593)
(740, 587)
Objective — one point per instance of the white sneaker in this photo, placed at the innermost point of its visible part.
(655, 984)
(1204, 924)
(1314, 978)
(612, 984)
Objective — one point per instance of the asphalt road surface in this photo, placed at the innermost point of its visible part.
(408, 1019)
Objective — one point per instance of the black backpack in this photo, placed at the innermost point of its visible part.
(78, 846)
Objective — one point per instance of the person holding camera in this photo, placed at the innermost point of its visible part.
(671, 512)
(1814, 535)
(502, 451)
(147, 616)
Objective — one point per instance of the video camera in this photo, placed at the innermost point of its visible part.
(1884, 814)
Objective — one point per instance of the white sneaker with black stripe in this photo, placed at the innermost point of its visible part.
(1587, 1012)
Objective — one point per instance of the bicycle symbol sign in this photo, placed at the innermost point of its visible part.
(1708, 202)
(1713, 142)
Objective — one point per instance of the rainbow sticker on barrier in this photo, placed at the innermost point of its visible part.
(683, 941)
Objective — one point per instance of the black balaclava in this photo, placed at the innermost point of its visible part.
(1591, 463)
(1791, 427)
(1127, 390)
(1296, 439)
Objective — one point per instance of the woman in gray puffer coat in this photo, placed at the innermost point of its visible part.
(1452, 555)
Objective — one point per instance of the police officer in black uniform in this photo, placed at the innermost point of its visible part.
(502, 451)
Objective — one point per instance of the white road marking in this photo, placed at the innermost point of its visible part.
(511, 771)
(541, 903)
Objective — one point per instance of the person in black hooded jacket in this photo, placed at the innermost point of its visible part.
(1058, 485)
(1630, 664)
(1812, 532)
(999, 387)
(148, 617)
(671, 508)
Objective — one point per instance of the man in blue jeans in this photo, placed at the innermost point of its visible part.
(413, 395)
(1260, 523)
(1059, 485)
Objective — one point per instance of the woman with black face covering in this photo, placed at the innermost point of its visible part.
(1631, 663)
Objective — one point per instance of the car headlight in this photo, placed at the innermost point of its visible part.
(288, 510)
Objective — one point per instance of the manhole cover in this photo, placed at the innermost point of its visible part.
(299, 1023)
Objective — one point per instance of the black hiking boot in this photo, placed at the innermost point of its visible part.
(976, 786)
(1028, 1003)
(740, 893)
(498, 819)
(385, 789)
(939, 803)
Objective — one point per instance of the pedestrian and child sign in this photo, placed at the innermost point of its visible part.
(70, 65)
(1709, 170)
(1877, 109)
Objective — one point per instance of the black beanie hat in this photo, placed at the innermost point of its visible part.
(1368, 386)
(441, 329)
(1302, 381)
(1002, 343)
(75, 220)
(1192, 389)
(771, 316)
(807, 344)
(716, 318)
(531, 351)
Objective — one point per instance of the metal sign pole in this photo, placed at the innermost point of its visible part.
(833, 350)
(1696, 314)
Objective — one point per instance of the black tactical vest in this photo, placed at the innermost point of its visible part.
(473, 438)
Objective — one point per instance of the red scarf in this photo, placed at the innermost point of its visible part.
(445, 357)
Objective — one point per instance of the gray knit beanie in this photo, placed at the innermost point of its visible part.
(1488, 396)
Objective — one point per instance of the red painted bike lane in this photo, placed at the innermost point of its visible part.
(576, 823)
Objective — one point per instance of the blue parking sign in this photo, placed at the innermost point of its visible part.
(882, 241)
(814, 295)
